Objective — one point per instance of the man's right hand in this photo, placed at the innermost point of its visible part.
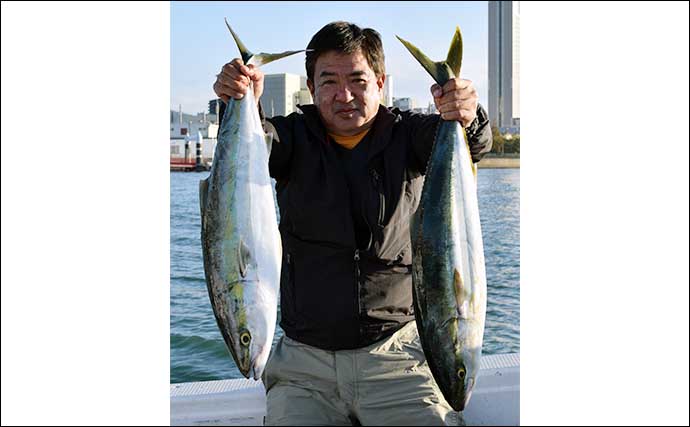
(234, 79)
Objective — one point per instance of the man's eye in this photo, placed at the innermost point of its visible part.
(359, 81)
(327, 82)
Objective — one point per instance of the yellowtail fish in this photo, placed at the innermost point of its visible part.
(448, 272)
(239, 231)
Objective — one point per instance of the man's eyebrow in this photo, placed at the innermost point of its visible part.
(352, 74)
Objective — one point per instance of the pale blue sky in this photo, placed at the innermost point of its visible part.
(200, 43)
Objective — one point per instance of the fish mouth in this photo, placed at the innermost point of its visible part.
(468, 394)
(258, 365)
(244, 365)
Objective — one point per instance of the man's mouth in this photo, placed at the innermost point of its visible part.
(346, 111)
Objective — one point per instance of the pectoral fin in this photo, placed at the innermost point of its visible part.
(244, 257)
(203, 191)
(459, 294)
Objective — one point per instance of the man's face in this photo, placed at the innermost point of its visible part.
(346, 92)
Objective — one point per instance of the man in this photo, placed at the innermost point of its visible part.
(349, 177)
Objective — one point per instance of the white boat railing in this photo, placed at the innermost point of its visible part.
(495, 401)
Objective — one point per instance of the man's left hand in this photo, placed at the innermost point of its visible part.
(457, 100)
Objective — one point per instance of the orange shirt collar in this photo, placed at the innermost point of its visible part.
(349, 142)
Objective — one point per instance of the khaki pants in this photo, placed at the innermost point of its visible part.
(387, 383)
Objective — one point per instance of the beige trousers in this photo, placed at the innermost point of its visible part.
(386, 383)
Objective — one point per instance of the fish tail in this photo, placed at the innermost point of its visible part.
(441, 71)
(257, 59)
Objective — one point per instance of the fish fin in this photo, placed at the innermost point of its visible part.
(458, 286)
(264, 58)
(441, 71)
(269, 141)
(246, 54)
(259, 58)
(203, 191)
(244, 257)
(454, 57)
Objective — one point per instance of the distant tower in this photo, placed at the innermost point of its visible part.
(504, 63)
(388, 91)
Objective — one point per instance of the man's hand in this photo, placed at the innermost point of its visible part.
(234, 78)
(457, 100)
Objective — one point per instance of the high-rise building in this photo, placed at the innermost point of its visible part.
(387, 99)
(281, 94)
(504, 64)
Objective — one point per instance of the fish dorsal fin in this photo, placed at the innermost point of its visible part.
(259, 58)
(444, 70)
(244, 257)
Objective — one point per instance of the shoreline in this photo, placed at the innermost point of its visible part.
(499, 163)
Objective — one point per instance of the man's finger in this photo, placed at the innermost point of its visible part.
(456, 83)
(464, 116)
(451, 115)
(234, 89)
(436, 90)
(457, 95)
(456, 104)
(234, 76)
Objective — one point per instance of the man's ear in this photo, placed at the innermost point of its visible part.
(310, 86)
(380, 81)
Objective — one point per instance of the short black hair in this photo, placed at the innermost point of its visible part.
(345, 37)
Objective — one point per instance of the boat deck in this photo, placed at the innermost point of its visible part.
(495, 401)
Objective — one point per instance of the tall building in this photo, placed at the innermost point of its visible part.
(281, 94)
(504, 64)
(387, 99)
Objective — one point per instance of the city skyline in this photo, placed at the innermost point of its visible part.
(201, 44)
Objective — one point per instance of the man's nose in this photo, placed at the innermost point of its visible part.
(344, 94)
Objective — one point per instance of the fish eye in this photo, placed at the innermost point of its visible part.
(461, 373)
(245, 338)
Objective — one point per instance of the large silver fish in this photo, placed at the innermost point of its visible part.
(239, 231)
(448, 273)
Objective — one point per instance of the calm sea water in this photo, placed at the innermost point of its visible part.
(197, 350)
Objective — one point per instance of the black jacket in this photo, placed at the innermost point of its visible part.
(332, 295)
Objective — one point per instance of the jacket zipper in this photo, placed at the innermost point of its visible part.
(357, 274)
(382, 201)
